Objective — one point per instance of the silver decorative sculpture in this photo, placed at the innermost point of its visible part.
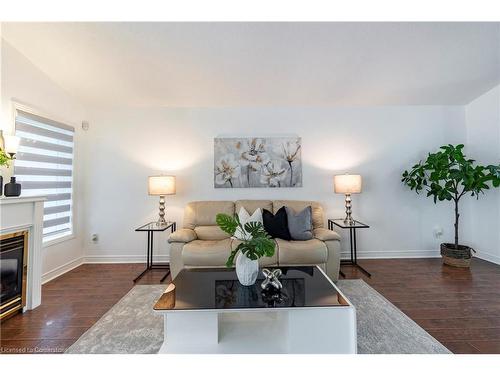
(271, 279)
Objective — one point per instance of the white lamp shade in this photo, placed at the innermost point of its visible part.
(11, 144)
(347, 183)
(161, 185)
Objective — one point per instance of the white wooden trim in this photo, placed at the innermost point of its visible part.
(98, 259)
(58, 240)
(58, 271)
(12, 200)
(124, 258)
(16, 104)
(35, 258)
(488, 257)
(16, 228)
(393, 254)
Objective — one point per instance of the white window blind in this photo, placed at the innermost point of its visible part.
(44, 166)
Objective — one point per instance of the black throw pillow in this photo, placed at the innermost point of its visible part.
(276, 225)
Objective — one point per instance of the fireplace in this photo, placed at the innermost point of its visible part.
(13, 272)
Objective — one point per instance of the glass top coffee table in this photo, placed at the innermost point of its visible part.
(209, 311)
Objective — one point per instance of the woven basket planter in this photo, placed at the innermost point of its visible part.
(460, 257)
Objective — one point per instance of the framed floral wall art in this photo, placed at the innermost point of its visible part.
(257, 162)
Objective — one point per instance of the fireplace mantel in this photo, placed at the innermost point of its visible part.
(13, 200)
(26, 213)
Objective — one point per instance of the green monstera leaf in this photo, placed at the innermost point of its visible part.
(227, 223)
(258, 244)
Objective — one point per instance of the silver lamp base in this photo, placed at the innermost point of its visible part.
(348, 218)
(161, 219)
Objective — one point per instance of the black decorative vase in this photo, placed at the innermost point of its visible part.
(1, 186)
(12, 189)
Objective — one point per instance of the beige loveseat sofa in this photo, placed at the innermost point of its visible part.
(202, 244)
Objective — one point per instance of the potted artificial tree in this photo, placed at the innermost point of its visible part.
(449, 175)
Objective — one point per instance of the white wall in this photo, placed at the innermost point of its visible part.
(125, 145)
(483, 144)
(22, 81)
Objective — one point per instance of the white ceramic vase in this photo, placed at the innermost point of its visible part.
(247, 269)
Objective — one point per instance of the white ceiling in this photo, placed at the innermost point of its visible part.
(264, 64)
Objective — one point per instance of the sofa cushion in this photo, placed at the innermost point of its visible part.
(252, 205)
(300, 223)
(264, 261)
(182, 235)
(324, 234)
(276, 225)
(245, 217)
(301, 252)
(200, 253)
(204, 212)
(210, 233)
(297, 206)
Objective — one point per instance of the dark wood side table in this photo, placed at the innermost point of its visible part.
(151, 228)
(341, 223)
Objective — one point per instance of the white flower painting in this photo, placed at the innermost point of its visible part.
(257, 162)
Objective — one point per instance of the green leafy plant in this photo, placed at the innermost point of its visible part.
(256, 244)
(448, 175)
(4, 158)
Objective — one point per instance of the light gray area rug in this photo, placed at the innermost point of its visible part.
(131, 326)
(382, 327)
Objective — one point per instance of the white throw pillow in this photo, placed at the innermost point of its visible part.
(245, 217)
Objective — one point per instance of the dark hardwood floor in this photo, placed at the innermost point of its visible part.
(71, 304)
(460, 308)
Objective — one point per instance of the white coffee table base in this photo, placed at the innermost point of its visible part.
(287, 330)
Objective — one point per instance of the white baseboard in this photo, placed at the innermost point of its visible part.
(393, 254)
(46, 277)
(124, 259)
(414, 254)
(488, 257)
(58, 271)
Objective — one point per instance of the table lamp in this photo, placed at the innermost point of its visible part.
(11, 143)
(347, 184)
(161, 185)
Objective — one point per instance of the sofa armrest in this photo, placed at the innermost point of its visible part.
(324, 234)
(183, 235)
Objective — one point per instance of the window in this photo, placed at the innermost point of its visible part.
(44, 166)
